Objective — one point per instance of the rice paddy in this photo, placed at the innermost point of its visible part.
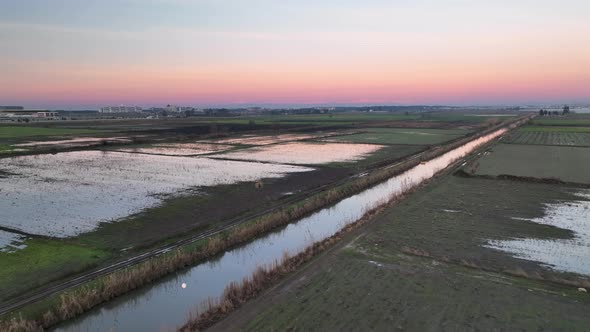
(178, 149)
(70, 193)
(269, 139)
(566, 138)
(400, 136)
(303, 153)
(564, 163)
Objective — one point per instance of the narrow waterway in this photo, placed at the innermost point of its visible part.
(166, 304)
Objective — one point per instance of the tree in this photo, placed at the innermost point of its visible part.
(541, 112)
(566, 110)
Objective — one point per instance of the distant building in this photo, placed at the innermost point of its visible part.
(120, 109)
(178, 109)
(172, 109)
(18, 112)
(45, 114)
(11, 108)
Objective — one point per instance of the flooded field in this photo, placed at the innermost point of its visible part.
(270, 139)
(567, 255)
(74, 142)
(166, 304)
(179, 149)
(304, 153)
(10, 241)
(400, 136)
(70, 193)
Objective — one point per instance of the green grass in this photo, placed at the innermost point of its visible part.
(18, 131)
(562, 122)
(309, 119)
(561, 129)
(43, 261)
(5, 147)
(387, 154)
(371, 293)
(459, 117)
(402, 136)
(550, 137)
(370, 283)
(569, 164)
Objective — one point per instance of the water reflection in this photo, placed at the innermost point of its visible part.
(165, 305)
(568, 255)
(10, 242)
(71, 193)
(304, 153)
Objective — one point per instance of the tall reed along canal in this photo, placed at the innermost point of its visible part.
(167, 303)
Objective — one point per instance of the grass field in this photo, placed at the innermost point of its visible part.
(401, 136)
(374, 293)
(569, 121)
(309, 119)
(43, 261)
(560, 129)
(526, 136)
(569, 164)
(17, 131)
(421, 265)
(460, 117)
(5, 148)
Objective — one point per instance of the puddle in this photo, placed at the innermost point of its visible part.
(566, 255)
(304, 153)
(166, 304)
(10, 242)
(70, 193)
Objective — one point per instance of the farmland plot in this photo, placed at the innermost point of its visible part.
(400, 136)
(565, 163)
(70, 193)
(568, 255)
(550, 138)
(269, 139)
(178, 149)
(75, 142)
(304, 153)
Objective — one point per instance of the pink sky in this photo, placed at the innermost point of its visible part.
(414, 54)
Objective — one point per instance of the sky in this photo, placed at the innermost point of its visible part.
(85, 54)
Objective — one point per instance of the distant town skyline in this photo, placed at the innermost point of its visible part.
(68, 54)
